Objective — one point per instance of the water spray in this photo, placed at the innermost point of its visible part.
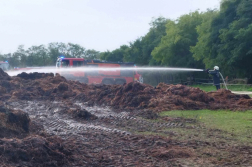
(223, 81)
(88, 69)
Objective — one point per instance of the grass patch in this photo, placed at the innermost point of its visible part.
(238, 124)
(209, 88)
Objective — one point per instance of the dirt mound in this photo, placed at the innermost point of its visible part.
(164, 97)
(192, 93)
(34, 75)
(147, 114)
(33, 151)
(2, 90)
(13, 122)
(127, 97)
(180, 97)
(4, 75)
(132, 95)
(172, 153)
(227, 100)
(83, 114)
(19, 145)
(113, 136)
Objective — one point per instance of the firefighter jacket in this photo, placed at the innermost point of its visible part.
(216, 76)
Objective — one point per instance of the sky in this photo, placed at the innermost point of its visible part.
(94, 24)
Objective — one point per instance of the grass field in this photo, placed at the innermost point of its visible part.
(237, 125)
(216, 136)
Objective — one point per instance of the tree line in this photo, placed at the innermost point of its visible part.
(195, 40)
(47, 55)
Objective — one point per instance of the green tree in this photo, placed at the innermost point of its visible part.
(91, 54)
(22, 54)
(227, 42)
(116, 55)
(75, 50)
(201, 49)
(53, 53)
(140, 50)
(174, 48)
(37, 56)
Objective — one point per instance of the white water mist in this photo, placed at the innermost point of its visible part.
(83, 69)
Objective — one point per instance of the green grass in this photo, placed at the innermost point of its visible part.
(209, 88)
(238, 124)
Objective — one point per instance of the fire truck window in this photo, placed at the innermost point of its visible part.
(77, 63)
(65, 63)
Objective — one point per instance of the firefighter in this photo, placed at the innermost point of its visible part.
(216, 76)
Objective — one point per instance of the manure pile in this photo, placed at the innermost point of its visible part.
(37, 86)
(46, 120)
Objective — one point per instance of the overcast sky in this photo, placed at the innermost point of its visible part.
(94, 24)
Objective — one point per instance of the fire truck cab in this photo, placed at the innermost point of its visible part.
(98, 75)
(4, 65)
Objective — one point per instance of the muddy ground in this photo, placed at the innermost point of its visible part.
(49, 121)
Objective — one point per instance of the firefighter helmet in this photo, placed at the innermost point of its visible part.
(216, 68)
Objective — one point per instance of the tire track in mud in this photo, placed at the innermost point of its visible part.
(105, 112)
(93, 140)
(60, 124)
(103, 136)
(124, 119)
(54, 122)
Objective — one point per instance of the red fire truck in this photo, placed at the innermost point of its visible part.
(4, 65)
(98, 75)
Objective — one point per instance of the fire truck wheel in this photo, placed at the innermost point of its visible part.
(108, 82)
(120, 82)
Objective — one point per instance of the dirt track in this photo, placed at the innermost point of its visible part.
(74, 124)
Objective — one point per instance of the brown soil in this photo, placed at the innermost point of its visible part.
(13, 122)
(34, 150)
(130, 96)
(46, 120)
